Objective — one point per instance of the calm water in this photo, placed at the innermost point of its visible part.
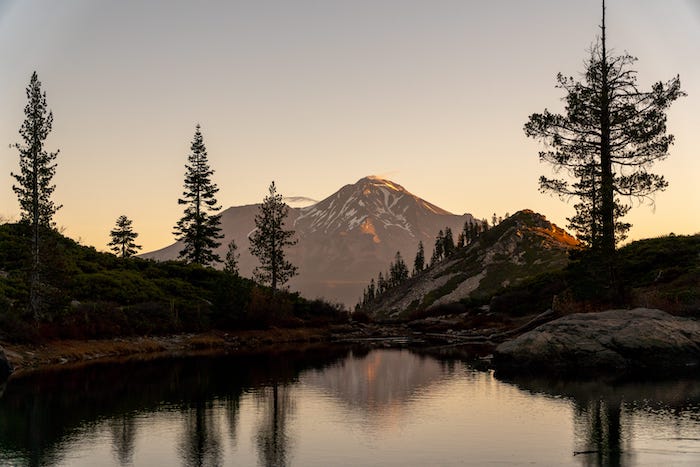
(338, 407)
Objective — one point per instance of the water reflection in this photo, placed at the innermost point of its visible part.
(201, 444)
(599, 432)
(43, 414)
(123, 430)
(333, 406)
(381, 380)
(272, 439)
(604, 415)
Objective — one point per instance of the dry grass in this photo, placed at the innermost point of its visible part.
(26, 357)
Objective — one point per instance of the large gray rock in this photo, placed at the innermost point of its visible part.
(5, 367)
(610, 341)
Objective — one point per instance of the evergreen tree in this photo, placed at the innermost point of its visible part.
(381, 283)
(231, 261)
(398, 271)
(419, 262)
(461, 240)
(199, 229)
(123, 238)
(270, 239)
(439, 249)
(34, 187)
(606, 142)
(448, 243)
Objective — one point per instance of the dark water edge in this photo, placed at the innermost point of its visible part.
(43, 412)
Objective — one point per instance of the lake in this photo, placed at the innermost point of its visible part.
(338, 407)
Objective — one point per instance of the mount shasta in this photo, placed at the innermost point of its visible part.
(345, 239)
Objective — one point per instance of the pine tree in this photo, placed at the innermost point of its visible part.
(34, 187)
(231, 261)
(199, 229)
(461, 240)
(439, 249)
(448, 243)
(398, 271)
(381, 283)
(123, 238)
(607, 141)
(270, 239)
(419, 262)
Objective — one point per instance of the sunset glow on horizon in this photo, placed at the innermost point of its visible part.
(317, 95)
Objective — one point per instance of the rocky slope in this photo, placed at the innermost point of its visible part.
(345, 239)
(522, 246)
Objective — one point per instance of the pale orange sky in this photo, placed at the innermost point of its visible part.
(316, 95)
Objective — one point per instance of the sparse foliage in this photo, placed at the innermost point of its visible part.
(199, 228)
(34, 181)
(609, 137)
(269, 240)
(123, 237)
(231, 261)
(419, 262)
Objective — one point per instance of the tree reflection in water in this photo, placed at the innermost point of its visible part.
(599, 433)
(123, 430)
(201, 443)
(272, 439)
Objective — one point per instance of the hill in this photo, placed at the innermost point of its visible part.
(521, 247)
(88, 294)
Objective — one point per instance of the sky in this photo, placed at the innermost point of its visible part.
(316, 94)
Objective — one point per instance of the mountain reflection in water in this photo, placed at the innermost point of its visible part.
(334, 406)
(377, 381)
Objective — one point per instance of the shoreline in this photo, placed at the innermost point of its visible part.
(26, 358)
(64, 353)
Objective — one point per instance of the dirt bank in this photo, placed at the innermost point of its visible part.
(25, 357)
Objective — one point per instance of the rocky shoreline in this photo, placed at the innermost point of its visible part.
(21, 358)
(638, 341)
(617, 341)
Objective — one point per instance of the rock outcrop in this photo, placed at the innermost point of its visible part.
(5, 366)
(615, 341)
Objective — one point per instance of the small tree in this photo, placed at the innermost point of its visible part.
(34, 187)
(448, 243)
(199, 229)
(231, 261)
(419, 262)
(439, 249)
(123, 238)
(398, 271)
(270, 239)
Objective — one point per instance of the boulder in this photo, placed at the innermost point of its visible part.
(618, 341)
(5, 366)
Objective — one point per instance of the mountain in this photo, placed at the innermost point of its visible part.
(345, 239)
(519, 248)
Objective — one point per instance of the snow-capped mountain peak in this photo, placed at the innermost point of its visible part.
(371, 203)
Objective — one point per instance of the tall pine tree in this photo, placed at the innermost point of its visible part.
(34, 182)
(607, 141)
(270, 239)
(199, 228)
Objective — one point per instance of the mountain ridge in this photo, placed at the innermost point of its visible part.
(522, 246)
(344, 239)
